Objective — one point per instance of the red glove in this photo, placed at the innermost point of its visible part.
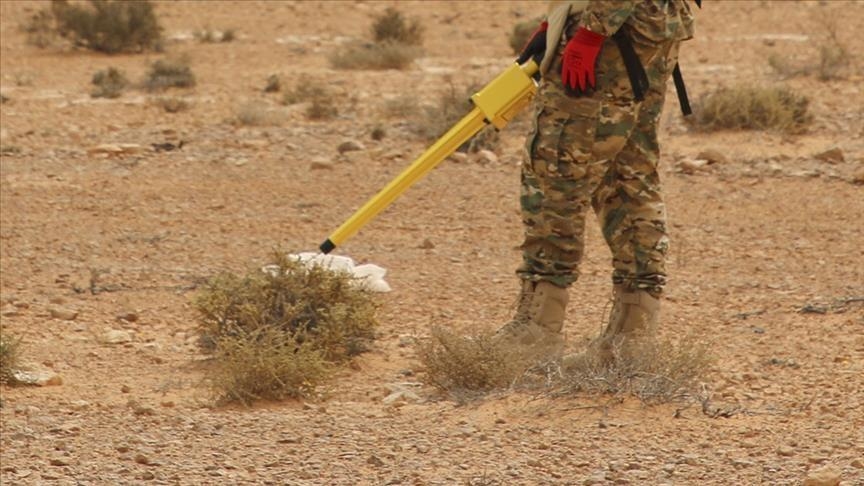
(577, 70)
(536, 44)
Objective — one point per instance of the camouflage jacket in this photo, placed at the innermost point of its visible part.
(647, 21)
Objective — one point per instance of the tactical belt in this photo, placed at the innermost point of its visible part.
(638, 76)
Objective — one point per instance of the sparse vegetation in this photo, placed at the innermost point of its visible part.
(452, 106)
(833, 62)
(9, 355)
(396, 44)
(753, 108)
(392, 26)
(109, 83)
(387, 55)
(41, 29)
(467, 366)
(322, 102)
(170, 73)
(274, 84)
(275, 333)
(256, 114)
(109, 26)
(655, 371)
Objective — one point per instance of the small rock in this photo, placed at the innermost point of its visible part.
(321, 164)
(824, 476)
(427, 244)
(116, 336)
(401, 396)
(691, 166)
(459, 157)
(80, 405)
(142, 459)
(63, 314)
(58, 461)
(406, 340)
(350, 146)
(833, 155)
(115, 149)
(487, 157)
(37, 377)
(858, 178)
(375, 461)
(785, 451)
(857, 464)
(125, 389)
(713, 156)
(148, 475)
(128, 317)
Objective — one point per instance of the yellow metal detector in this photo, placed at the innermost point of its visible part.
(497, 103)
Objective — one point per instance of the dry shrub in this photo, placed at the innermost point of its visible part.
(467, 366)
(753, 108)
(379, 56)
(109, 26)
(452, 106)
(41, 29)
(9, 356)
(109, 83)
(265, 363)
(655, 371)
(256, 114)
(276, 331)
(521, 33)
(170, 73)
(403, 106)
(274, 84)
(322, 101)
(391, 26)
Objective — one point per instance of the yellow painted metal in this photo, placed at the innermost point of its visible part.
(497, 103)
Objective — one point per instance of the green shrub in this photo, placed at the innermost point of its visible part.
(109, 26)
(170, 73)
(753, 108)
(299, 321)
(109, 83)
(391, 26)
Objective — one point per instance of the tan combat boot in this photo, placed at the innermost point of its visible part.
(633, 318)
(539, 317)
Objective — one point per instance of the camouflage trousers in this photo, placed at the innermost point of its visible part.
(598, 150)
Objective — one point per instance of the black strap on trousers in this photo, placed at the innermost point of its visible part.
(638, 76)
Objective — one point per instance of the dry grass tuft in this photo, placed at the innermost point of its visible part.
(265, 363)
(378, 56)
(210, 36)
(109, 26)
(452, 106)
(655, 371)
(392, 26)
(9, 356)
(256, 114)
(753, 108)
(274, 334)
(170, 73)
(322, 102)
(109, 83)
(470, 365)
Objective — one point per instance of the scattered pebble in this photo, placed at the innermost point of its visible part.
(833, 155)
(63, 314)
(350, 146)
(487, 157)
(116, 336)
(825, 476)
(713, 156)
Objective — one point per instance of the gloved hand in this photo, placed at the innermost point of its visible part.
(580, 56)
(536, 44)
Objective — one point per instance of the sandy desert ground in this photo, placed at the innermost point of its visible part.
(767, 261)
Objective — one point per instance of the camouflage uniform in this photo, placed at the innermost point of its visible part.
(601, 150)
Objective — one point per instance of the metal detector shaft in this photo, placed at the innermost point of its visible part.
(497, 103)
